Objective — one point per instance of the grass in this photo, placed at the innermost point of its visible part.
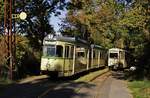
(140, 89)
(91, 76)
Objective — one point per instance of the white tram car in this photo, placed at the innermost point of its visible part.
(66, 56)
(116, 58)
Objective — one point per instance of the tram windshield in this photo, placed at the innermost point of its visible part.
(113, 55)
(53, 50)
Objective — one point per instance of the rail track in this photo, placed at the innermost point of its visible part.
(43, 87)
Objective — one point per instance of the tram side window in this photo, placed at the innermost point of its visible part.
(66, 51)
(113, 55)
(59, 51)
(101, 55)
(71, 52)
(94, 56)
(80, 54)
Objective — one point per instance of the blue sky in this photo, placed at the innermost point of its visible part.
(55, 20)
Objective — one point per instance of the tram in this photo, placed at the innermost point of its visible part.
(67, 56)
(116, 59)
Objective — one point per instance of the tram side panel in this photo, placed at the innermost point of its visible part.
(68, 60)
(103, 58)
(98, 58)
(81, 60)
(95, 59)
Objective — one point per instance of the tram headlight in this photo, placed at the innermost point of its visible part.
(132, 68)
(50, 67)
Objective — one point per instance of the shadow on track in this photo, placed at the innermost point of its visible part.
(119, 75)
(63, 87)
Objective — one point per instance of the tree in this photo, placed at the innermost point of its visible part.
(1, 14)
(100, 18)
(1, 10)
(136, 22)
(31, 32)
(37, 24)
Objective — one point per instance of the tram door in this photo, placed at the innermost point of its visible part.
(68, 60)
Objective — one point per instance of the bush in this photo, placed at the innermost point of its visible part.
(27, 60)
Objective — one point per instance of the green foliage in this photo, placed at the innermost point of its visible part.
(96, 17)
(136, 21)
(110, 23)
(27, 58)
(140, 89)
(113, 23)
(37, 24)
(29, 33)
(26, 62)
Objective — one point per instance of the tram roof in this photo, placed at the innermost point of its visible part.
(65, 39)
(116, 49)
(97, 46)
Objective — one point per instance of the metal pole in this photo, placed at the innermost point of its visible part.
(88, 57)
(10, 35)
(74, 60)
(14, 35)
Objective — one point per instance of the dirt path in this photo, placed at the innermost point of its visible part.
(114, 88)
(110, 85)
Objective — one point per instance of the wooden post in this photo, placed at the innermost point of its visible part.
(74, 60)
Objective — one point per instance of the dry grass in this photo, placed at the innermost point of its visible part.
(91, 76)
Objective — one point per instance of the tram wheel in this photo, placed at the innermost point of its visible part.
(53, 75)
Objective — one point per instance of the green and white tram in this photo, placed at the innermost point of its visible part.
(116, 58)
(66, 56)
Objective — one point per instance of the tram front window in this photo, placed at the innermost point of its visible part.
(49, 50)
(113, 55)
(53, 51)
